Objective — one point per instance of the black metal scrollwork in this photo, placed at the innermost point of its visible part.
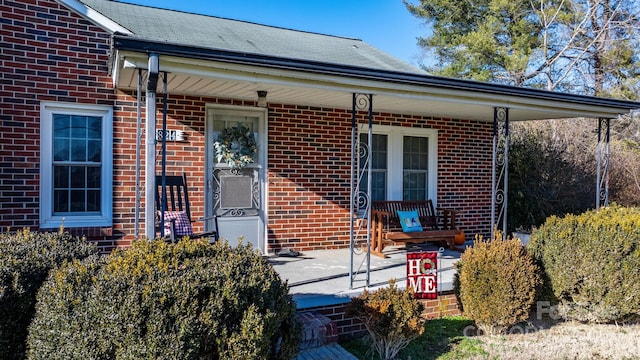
(362, 101)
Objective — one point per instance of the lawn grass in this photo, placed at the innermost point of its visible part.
(442, 339)
(546, 339)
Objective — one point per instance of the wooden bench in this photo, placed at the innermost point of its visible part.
(438, 225)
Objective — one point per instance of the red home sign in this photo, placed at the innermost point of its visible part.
(422, 274)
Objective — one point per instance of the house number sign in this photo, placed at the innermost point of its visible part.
(171, 135)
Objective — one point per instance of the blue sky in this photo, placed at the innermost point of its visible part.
(385, 24)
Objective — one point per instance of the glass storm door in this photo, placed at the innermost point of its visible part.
(236, 194)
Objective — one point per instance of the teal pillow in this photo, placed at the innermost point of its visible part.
(409, 221)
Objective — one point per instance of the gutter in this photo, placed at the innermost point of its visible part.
(127, 43)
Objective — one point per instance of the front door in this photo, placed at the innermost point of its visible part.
(236, 183)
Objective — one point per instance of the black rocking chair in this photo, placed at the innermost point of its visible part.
(177, 212)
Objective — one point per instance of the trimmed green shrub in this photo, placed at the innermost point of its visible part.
(391, 316)
(496, 283)
(25, 260)
(591, 263)
(155, 300)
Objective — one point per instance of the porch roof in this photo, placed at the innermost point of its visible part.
(210, 56)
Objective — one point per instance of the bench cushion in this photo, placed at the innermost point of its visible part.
(432, 235)
(409, 221)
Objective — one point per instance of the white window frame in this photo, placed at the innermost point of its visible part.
(395, 150)
(47, 218)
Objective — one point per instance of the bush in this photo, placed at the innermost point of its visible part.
(25, 260)
(496, 283)
(591, 263)
(391, 316)
(548, 174)
(160, 301)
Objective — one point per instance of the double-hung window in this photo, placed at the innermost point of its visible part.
(76, 165)
(403, 163)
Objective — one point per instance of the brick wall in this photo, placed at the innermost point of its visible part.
(309, 177)
(52, 54)
(309, 157)
(464, 172)
(48, 54)
(309, 171)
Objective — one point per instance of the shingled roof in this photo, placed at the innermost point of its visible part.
(210, 32)
(308, 68)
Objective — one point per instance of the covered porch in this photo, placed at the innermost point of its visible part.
(321, 278)
(359, 100)
(335, 110)
(315, 104)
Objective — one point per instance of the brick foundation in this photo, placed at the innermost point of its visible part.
(348, 327)
(445, 305)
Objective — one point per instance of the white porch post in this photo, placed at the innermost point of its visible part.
(150, 153)
(138, 142)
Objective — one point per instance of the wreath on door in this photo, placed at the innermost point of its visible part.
(236, 146)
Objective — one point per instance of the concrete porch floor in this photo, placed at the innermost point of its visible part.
(321, 278)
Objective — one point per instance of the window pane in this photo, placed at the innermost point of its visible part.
(61, 125)
(378, 166)
(414, 186)
(94, 148)
(77, 201)
(61, 150)
(78, 180)
(378, 185)
(227, 121)
(93, 200)
(78, 150)
(415, 168)
(79, 127)
(415, 152)
(424, 162)
(60, 201)
(218, 125)
(93, 177)
(379, 152)
(60, 177)
(94, 127)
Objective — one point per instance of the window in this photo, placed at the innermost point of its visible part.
(415, 171)
(224, 120)
(404, 163)
(378, 166)
(76, 165)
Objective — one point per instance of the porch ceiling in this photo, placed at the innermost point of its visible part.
(290, 86)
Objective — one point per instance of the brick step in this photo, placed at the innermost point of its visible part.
(317, 330)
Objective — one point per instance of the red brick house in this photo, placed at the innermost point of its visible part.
(69, 98)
